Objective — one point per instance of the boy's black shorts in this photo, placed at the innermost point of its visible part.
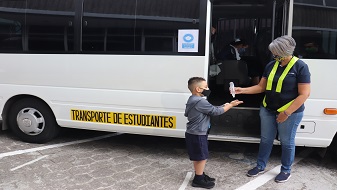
(197, 146)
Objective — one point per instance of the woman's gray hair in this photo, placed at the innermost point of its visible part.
(283, 46)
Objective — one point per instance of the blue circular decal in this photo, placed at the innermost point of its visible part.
(188, 38)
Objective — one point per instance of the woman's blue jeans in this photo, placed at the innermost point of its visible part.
(286, 131)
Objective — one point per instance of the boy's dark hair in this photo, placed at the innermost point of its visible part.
(193, 81)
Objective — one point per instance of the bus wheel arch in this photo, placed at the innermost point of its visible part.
(31, 119)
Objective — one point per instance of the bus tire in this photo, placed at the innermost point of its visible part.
(333, 149)
(32, 121)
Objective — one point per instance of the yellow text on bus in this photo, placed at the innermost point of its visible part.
(130, 119)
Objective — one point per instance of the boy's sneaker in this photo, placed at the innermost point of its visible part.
(282, 177)
(207, 178)
(254, 172)
(203, 183)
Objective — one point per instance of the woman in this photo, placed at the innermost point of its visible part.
(286, 83)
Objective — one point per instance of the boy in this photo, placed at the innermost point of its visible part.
(198, 112)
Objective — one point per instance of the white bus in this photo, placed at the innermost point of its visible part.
(123, 66)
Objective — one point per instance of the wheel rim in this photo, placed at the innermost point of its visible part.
(30, 121)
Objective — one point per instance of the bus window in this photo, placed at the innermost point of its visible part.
(123, 27)
(121, 40)
(11, 26)
(331, 3)
(108, 26)
(315, 30)
(161, 43)
(50, 26)
(158, 23)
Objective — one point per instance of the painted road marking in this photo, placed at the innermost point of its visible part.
(17, 152)
(31, 162)
(187, 179)
(264, 178)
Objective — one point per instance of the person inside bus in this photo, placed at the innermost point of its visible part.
(235, 51)
(232, 51)
(286, 83)
(198, 111)
(311, 51)
(212, 53)
(214, 68)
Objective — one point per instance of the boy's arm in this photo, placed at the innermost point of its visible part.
(206, 108)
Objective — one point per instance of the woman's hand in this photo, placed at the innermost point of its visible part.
(281, 117)
(256, 89)
(238, 90)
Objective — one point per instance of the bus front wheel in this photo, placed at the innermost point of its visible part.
(32, 121)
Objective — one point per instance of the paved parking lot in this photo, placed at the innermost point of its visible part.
(80, 159)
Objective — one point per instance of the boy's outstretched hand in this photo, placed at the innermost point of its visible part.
(236, 102)
(233, 103)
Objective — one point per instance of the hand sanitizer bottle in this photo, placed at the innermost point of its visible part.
(232, 89)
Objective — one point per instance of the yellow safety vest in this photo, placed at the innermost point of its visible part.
(279, 82)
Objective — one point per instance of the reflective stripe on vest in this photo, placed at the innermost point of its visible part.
(279, 82)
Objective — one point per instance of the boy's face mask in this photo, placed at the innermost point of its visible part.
(278, 58)
(206, 92)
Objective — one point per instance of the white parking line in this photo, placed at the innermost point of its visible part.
(187, 179)
(18, 167)
(264, 178)
(2, 155)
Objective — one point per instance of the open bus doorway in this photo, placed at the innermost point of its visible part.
(255, 24)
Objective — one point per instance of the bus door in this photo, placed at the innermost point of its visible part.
(254, 24)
